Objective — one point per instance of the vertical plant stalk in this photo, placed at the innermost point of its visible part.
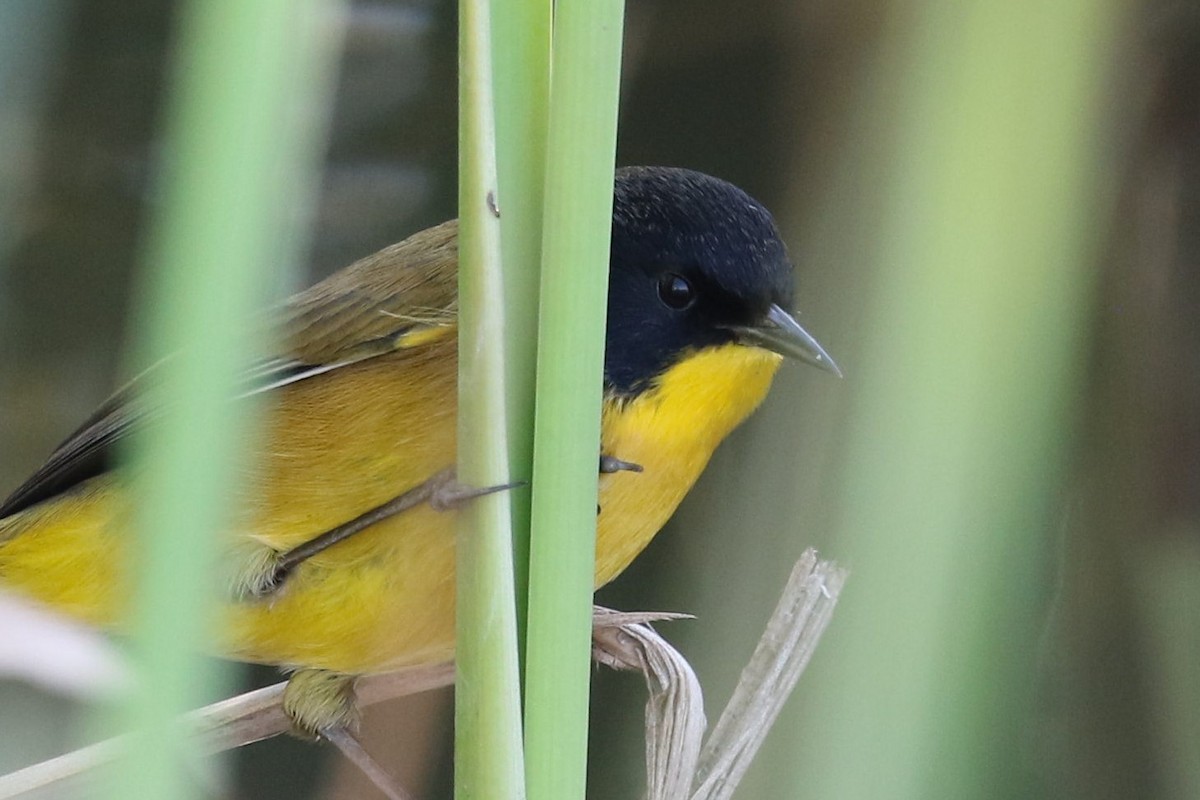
(962, 407)
(581, 147)
(521, 79)
(487, 731)
(237, 158)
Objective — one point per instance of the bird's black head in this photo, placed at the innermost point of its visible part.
(695, 263)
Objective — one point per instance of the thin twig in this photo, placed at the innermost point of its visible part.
(675, 710)
(622, 640)
(231, 723)
(767, 681)
(258, 715)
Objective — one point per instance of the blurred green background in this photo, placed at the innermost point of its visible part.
(1063, 659)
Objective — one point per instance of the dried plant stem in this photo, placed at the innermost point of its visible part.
(676, 765)
(674, 711)
(767, 681)
(231, 723)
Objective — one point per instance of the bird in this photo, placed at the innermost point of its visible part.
(341, 560)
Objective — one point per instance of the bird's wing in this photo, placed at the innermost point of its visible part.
(402, 297)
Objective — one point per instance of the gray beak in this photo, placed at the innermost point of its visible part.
(780, 333)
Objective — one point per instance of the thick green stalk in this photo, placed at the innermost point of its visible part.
(578, 202)
(961, 413)
(521, 60)
(237, 158)
(487, 731)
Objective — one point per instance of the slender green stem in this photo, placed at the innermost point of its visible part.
(487, 745)
(578, 215)
(522, 83)
(957, 431)
(236, 160)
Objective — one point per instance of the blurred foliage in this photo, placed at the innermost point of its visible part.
(793, 101)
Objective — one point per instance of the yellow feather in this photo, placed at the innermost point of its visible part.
(340, 443)
(671, 430)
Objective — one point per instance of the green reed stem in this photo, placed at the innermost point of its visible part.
(487, 741)
(578, 213)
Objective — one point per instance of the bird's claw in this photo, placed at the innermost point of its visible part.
(447, 494)
(610, 464)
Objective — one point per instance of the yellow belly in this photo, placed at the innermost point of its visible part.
(339, 444)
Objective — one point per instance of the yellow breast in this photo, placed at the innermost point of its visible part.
(671, 430)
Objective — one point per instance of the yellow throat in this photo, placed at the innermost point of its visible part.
(671, 430)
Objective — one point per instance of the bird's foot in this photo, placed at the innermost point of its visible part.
(317, 700)
(447, 494)
(610, 464)
(258, 574)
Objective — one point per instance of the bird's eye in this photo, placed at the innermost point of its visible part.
(676, 291)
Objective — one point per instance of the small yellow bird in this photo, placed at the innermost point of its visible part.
(342, 563)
